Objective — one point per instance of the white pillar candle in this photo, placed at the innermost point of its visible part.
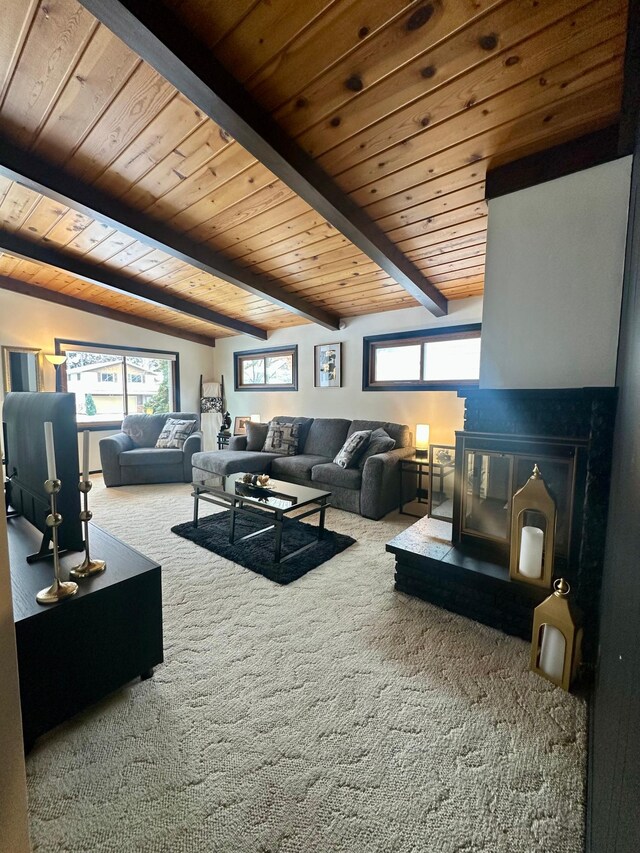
(51, 453)
(86, 443)
(552, 652)
(531, 544)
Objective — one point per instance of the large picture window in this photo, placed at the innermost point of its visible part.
(443, 359)
(266, 369)
(111, 382)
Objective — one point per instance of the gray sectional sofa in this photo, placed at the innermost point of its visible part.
(130, 457)
(371, 490)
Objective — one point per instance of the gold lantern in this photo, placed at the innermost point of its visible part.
(556, 640)
(533, 529)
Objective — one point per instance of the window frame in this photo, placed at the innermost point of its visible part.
(62, 344)
(419, 336)
(264, 353)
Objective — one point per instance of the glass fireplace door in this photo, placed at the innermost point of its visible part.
(487, 494)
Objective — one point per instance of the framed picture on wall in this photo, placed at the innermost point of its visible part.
(240, 424)
(328, 366)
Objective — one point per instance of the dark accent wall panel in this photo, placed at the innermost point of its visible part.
(614, 778)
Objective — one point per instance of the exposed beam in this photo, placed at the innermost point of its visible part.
(159, 37)
(57, 298)
(574, 156)
(44, 254)
(630, 113)
(37, 174)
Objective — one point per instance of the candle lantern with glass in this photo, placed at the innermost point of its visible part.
(556, 641)
(533, 528)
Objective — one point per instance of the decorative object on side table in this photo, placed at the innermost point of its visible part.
(533, 528)
(58, 590)
(556, 641)
(328, 365)
(241, 421)
(88, 566)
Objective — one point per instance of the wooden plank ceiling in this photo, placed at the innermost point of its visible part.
(404, 104)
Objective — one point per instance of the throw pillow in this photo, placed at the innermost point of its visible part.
(256, 435)
(353, 448)
(381, 442)
(282, 438)
(175, 433)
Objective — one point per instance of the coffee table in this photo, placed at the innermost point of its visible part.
(279, 501)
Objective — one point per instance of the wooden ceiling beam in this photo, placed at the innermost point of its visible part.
(630, 113)
(16, 245)
(57, 298)
(32, 171)
(593, 149)
(154, 33)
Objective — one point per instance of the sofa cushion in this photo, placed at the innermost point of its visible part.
(256, 435)
(326, 437)
(400, 433)
(282, 438)
(225, 462)
(381, 442)
(174, 433)
(152, 456)
(296, 466)
(333, 475)
(349, 454)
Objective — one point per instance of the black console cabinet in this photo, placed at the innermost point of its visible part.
(75, 653)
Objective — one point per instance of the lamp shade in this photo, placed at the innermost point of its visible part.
(55, 359)
(422, 436)
(255, 419)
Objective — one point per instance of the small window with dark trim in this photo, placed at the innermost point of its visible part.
(443, 360)
(274, 369)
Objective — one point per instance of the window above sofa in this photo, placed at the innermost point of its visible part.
(422, 360)
(274, 369)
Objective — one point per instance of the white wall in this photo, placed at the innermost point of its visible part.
(441, 409)
(553, 281)
(29, 322)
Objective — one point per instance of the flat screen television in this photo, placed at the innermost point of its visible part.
(23, 417)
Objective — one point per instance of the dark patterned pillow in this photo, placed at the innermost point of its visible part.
(282, 438)
(353, 448)
(174, 433)
(381, 442)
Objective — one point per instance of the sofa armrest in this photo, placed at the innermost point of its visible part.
(381, 480)
(237, 442)
(110, 450)
(192, 445)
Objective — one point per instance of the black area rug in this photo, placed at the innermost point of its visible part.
(256, 554)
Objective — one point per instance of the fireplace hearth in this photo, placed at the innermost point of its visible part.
(568, 434)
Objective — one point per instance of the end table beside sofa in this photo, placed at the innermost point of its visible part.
(371, 490)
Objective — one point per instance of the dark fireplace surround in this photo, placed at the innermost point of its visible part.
(572, 429)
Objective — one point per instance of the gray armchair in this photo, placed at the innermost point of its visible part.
(131, 457)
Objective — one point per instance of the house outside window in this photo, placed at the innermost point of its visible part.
(111, 382)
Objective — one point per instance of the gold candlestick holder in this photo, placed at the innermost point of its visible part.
(88, 566)
(58, 590)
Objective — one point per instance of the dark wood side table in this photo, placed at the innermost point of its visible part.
(223, 440)
(418, 467)
(76, 652)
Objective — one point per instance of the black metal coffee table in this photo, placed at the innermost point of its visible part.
(279, 500)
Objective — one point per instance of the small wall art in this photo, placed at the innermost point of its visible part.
(328, 366)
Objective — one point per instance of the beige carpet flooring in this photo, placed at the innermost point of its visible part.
(333, 714)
